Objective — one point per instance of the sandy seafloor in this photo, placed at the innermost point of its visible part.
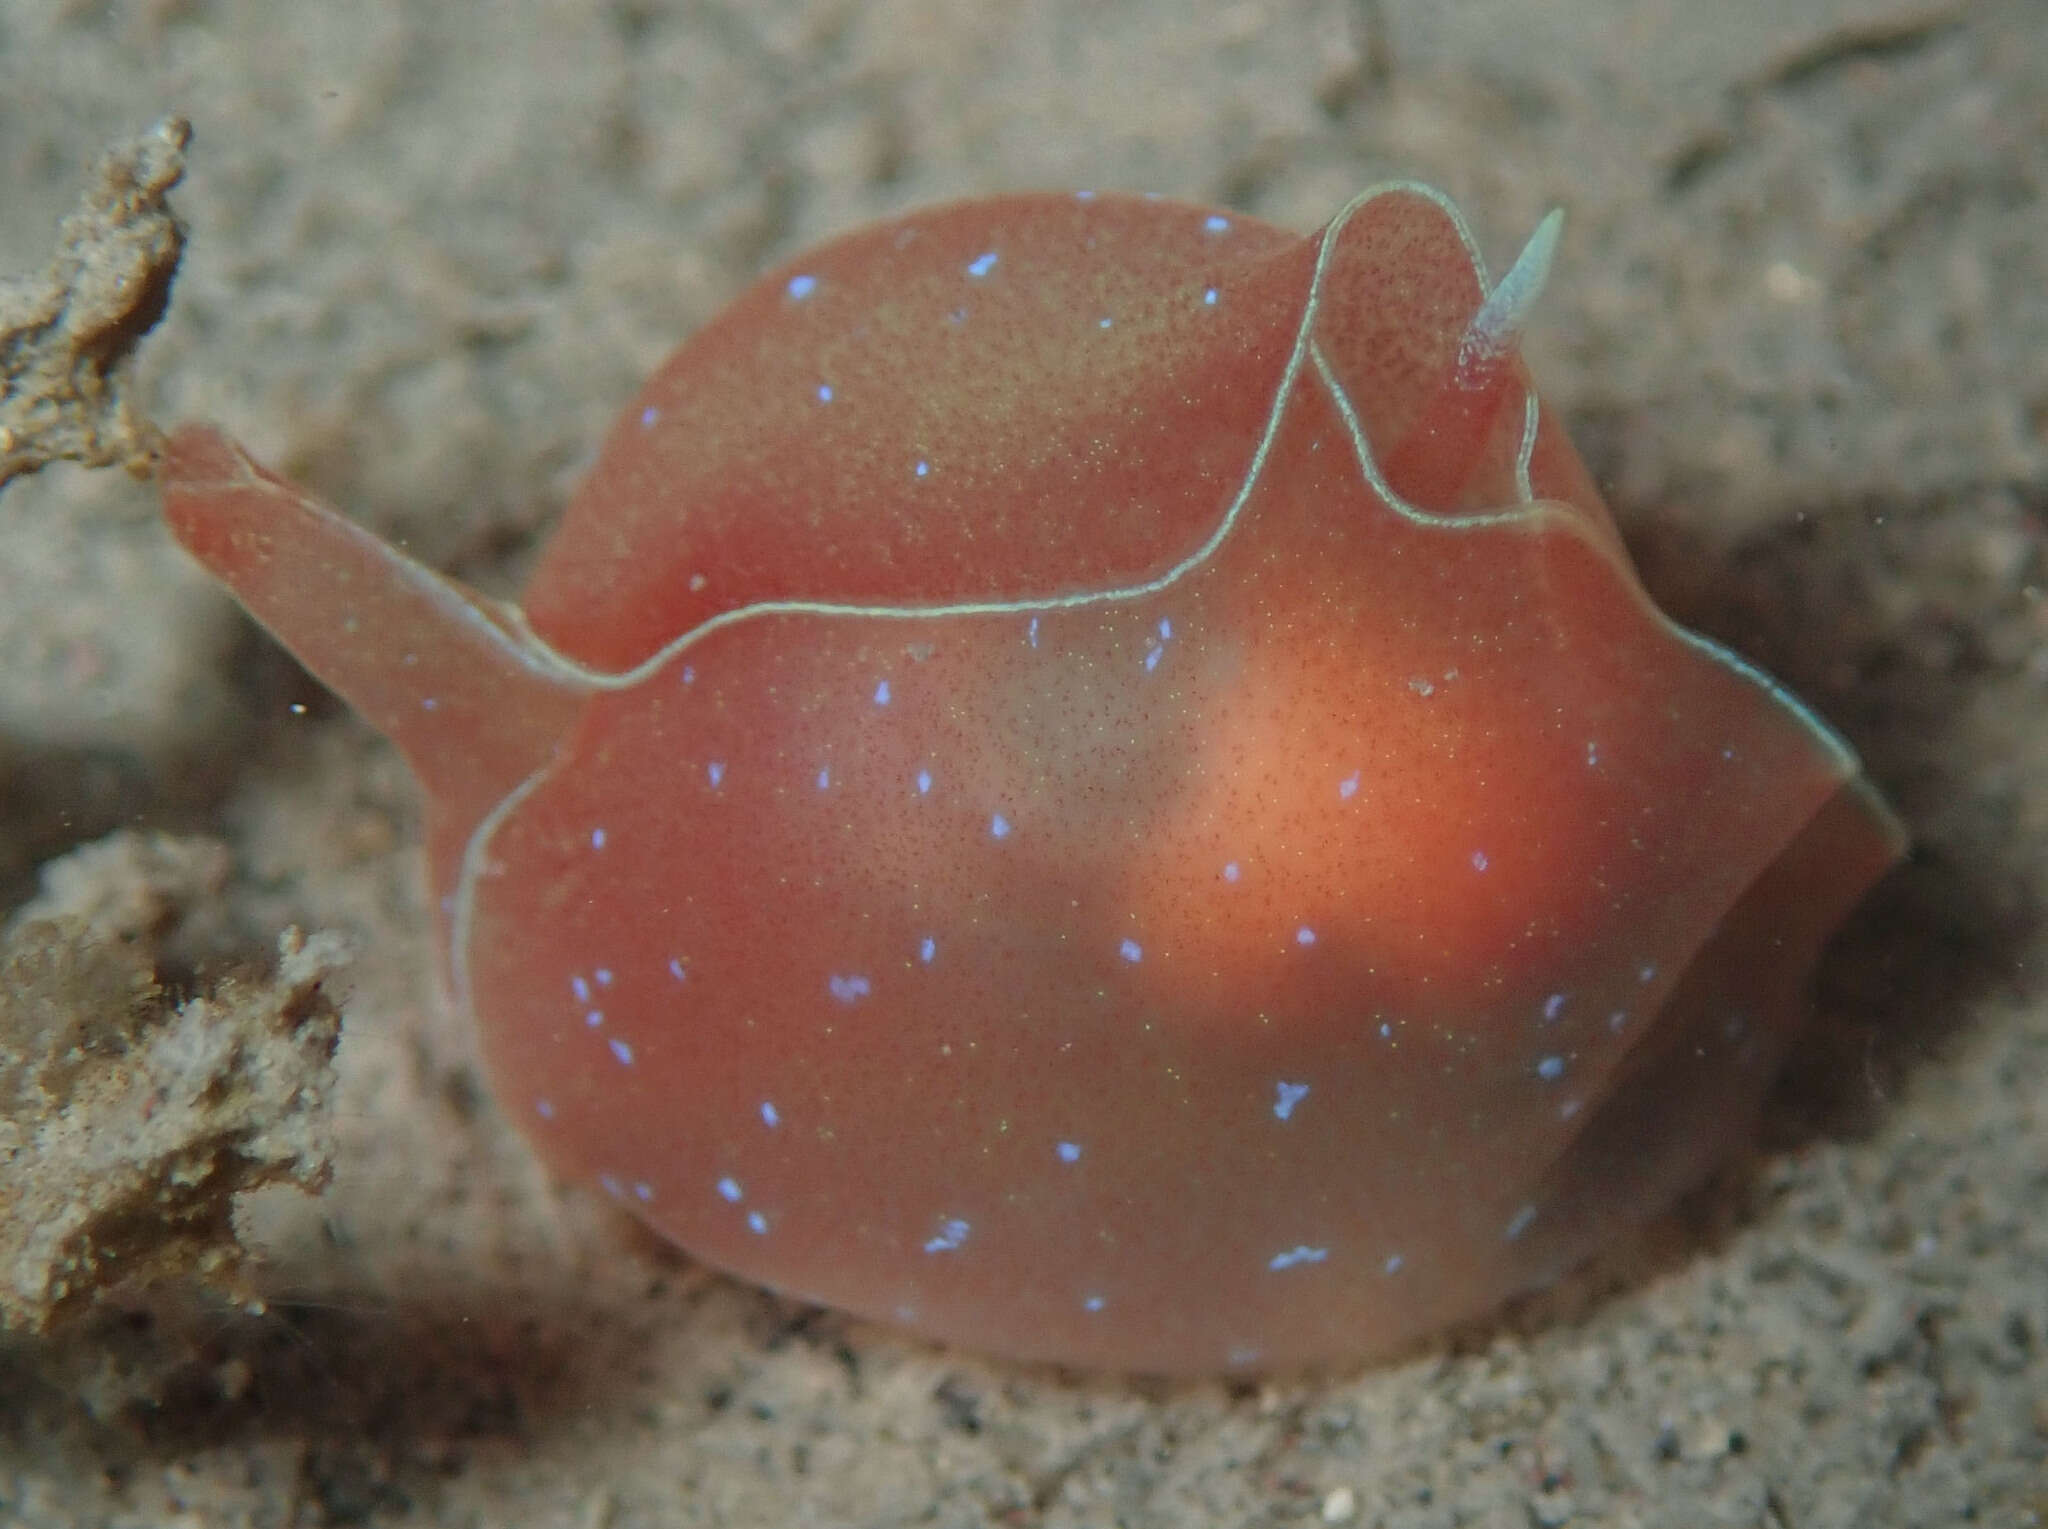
(1799, 327)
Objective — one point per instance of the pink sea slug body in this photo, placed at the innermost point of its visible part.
(1091, 777)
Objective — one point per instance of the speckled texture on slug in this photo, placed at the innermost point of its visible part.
(1092, 778)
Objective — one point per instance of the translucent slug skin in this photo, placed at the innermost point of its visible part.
(1091, 777)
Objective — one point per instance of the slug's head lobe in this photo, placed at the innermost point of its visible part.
(915, 412)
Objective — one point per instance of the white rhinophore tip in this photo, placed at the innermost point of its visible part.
(1499, 322)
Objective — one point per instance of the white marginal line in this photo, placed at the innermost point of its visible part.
(462, 916)
(1846, 758)
(1529, 507)
(1847, 761)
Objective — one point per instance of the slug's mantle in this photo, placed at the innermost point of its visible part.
(1091, 777)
